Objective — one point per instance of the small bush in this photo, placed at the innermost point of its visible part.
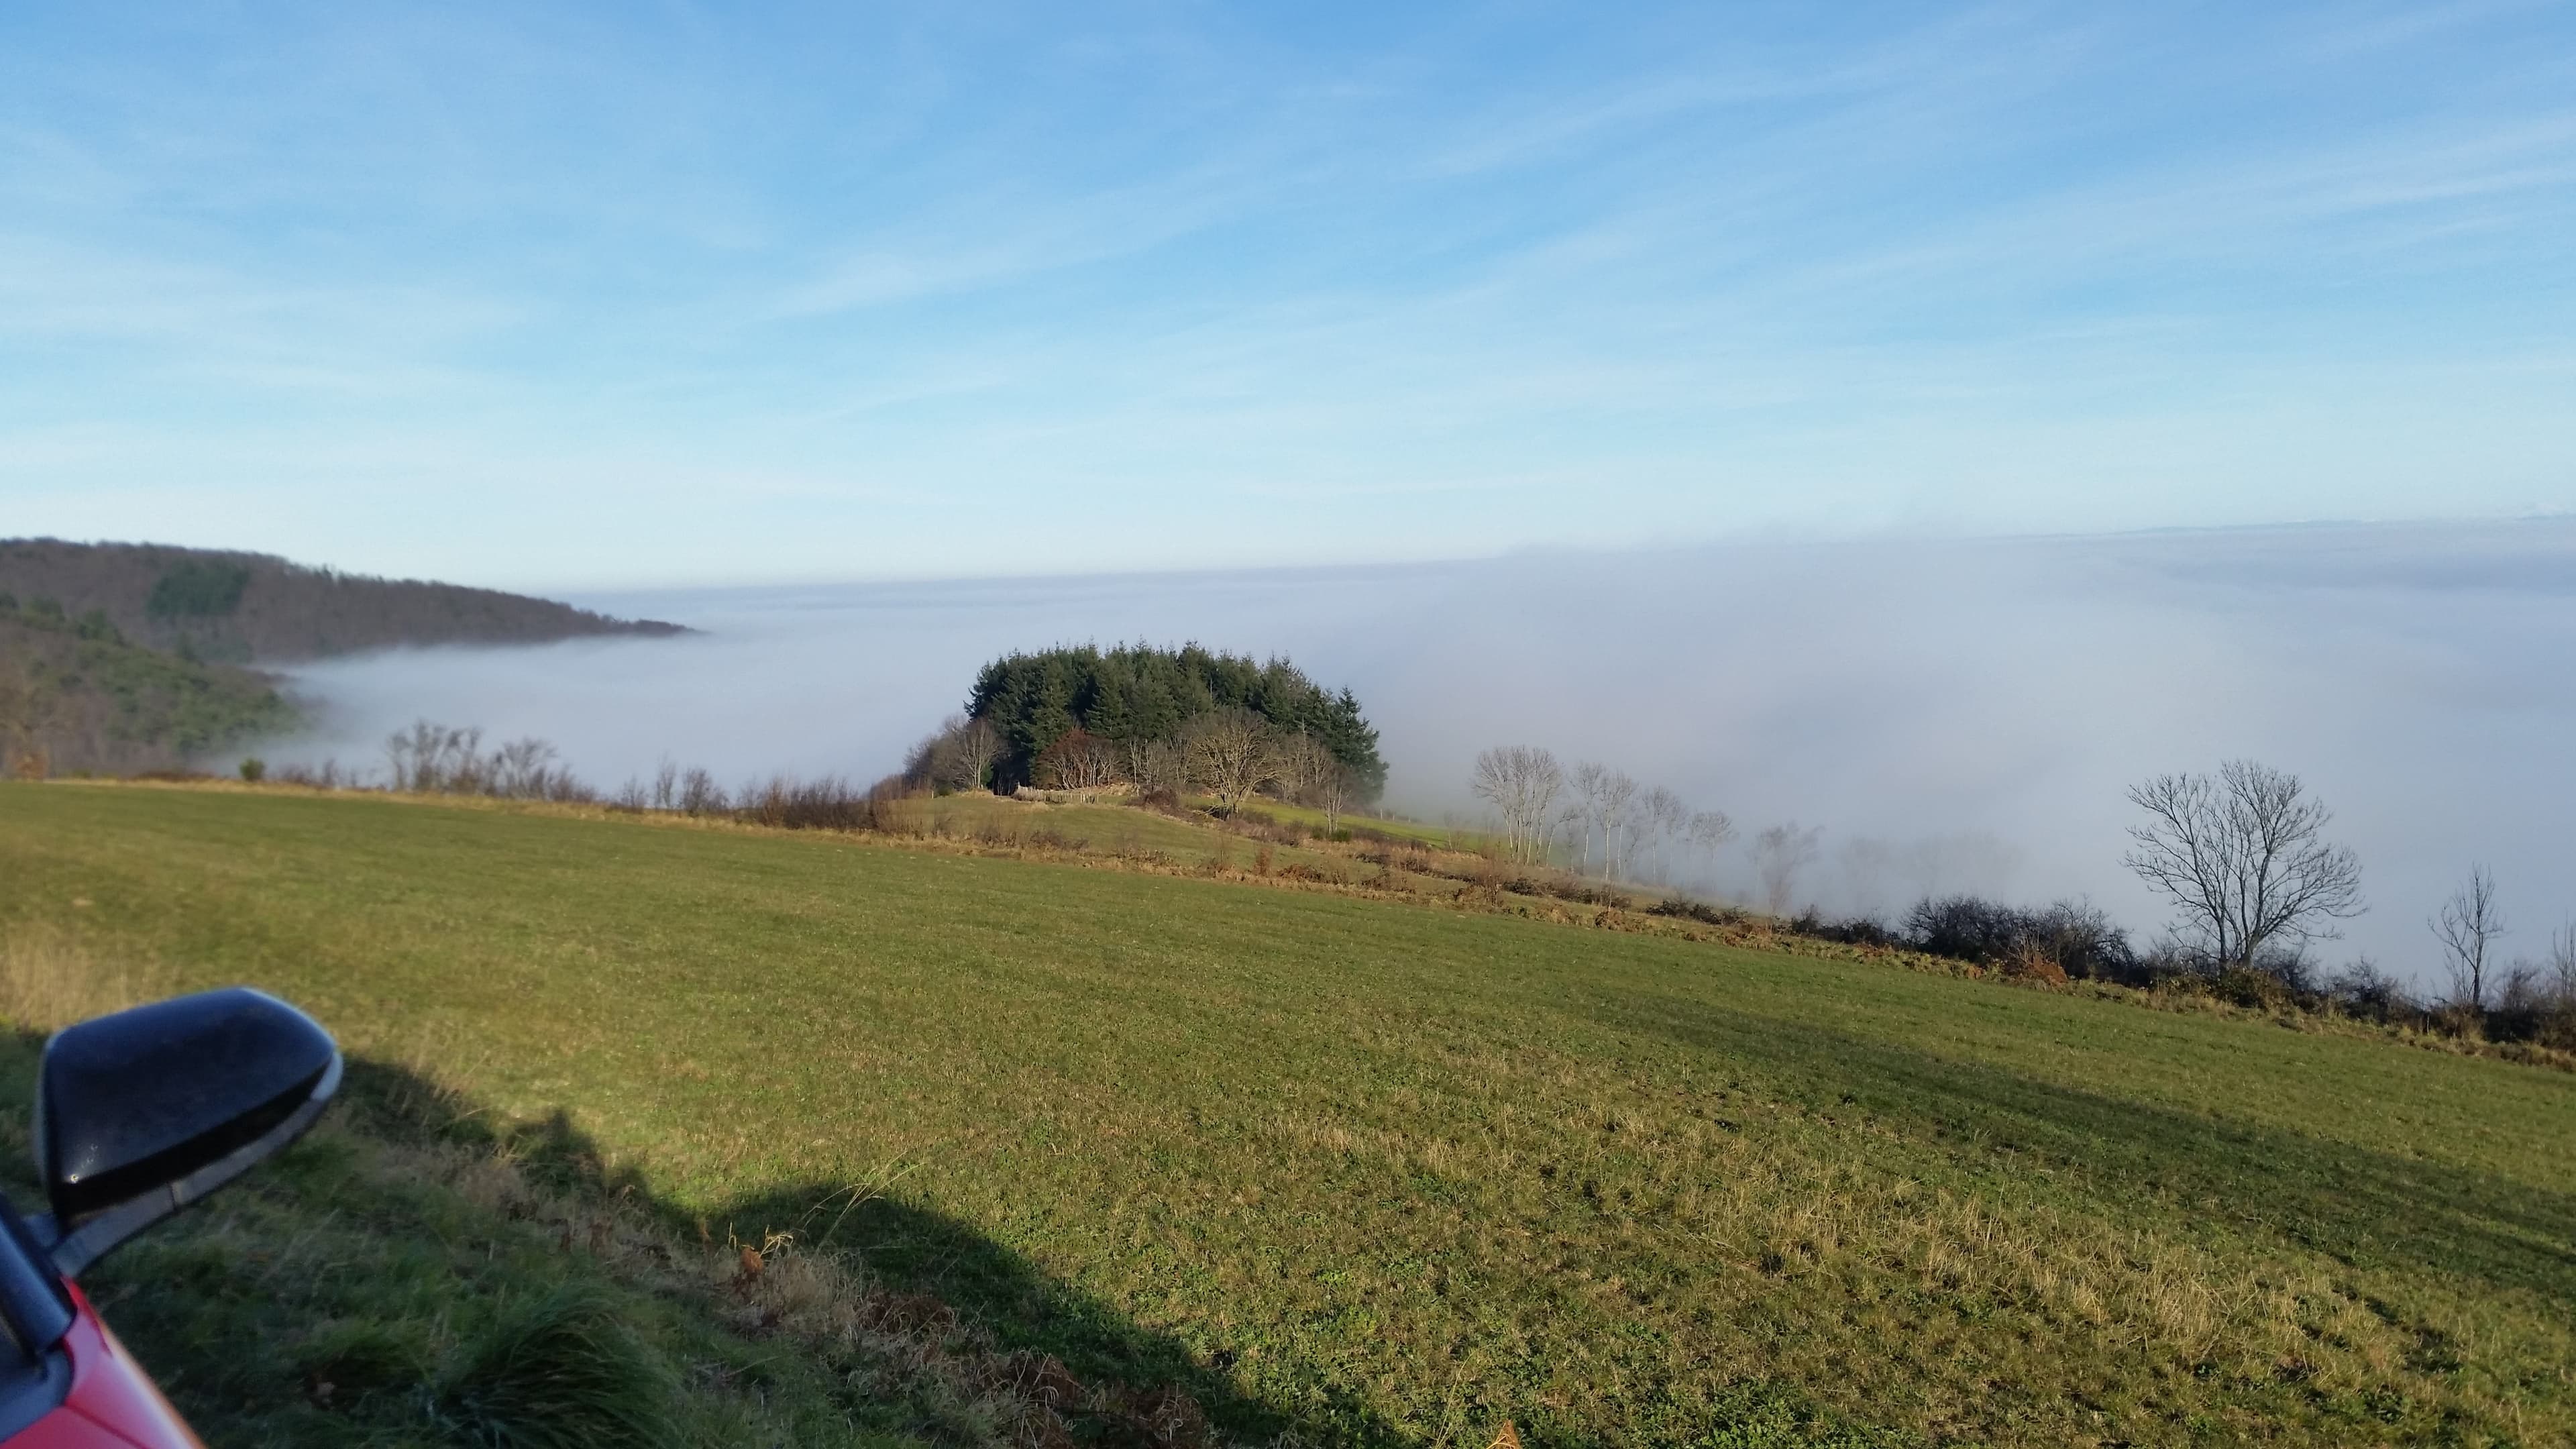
(1679, 907)
(254, 770)
(1857, 931)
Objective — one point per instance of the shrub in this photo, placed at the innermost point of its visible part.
(2075, 937)
(1678, 907)
(254, 769)
(1858, 931)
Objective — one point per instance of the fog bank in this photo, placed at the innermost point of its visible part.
(1955, 715)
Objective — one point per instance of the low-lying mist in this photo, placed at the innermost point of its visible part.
(1954, 715)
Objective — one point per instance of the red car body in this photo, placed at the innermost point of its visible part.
(112, 1403)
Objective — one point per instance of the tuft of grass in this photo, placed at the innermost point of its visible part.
(558, 1370)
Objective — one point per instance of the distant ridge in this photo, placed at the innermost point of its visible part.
(251, 608)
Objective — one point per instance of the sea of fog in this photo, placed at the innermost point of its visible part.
(1954, 715)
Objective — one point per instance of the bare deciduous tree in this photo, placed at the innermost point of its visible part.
(1304, 762)
(972, 747)
(2468, 924)
(520, 770)
(1521, 782)
(1080, 761)
(1583, 813)
(1779, 853)
(2562, 965)
(700, 794)
(2242, 855)
(1158, 765)
(1232, 752)
(666, 784)
(1709, 832)
(1616, 808)
(1335, 793)
(1663, 818)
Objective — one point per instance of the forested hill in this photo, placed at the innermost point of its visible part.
(253, 608)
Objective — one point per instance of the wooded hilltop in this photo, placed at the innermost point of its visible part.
(1084, 718)
(121, 658)
(251, 608)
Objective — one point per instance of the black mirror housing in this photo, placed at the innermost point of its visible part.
(140, 1113)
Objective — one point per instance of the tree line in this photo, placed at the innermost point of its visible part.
(2242, 856)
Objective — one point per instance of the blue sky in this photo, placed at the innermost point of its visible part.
(553, 296)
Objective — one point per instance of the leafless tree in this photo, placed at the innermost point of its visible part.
(972, 747)
(1158, 765)
(1335, 794)
(1779, 853)
(700, 794)
(1304, 762)
(1663, 819)
(1616, 808)
(2242, 855)
(1080, 761)
(666, 784)
(521, 770)
(1583, 813)
(2562, 966)
(2468, 924)
(1521, 782)
(1232, 752)
(1709, 831)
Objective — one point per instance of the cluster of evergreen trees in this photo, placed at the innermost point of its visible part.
(1134, 695)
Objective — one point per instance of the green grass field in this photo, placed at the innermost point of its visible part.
(1362, 1171)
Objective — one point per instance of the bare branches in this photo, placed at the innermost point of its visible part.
(1662, 818)
(2468, 924)
(974, 747)
(1522, 783)
(431, 758)
(2242, 856)
(1232, 752)
(1708, 833)
(1779, 853)
(1615, 807)
(1335, 792)
(1079, 761)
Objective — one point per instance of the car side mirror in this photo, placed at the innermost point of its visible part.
(141, 1113)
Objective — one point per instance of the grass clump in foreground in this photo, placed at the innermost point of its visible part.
(1344, 1168)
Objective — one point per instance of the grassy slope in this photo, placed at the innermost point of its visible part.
(1392, 1172)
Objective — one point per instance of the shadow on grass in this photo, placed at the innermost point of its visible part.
(928, 1270)
(418, 1276)
(335, 1296)
(2350, 1203)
